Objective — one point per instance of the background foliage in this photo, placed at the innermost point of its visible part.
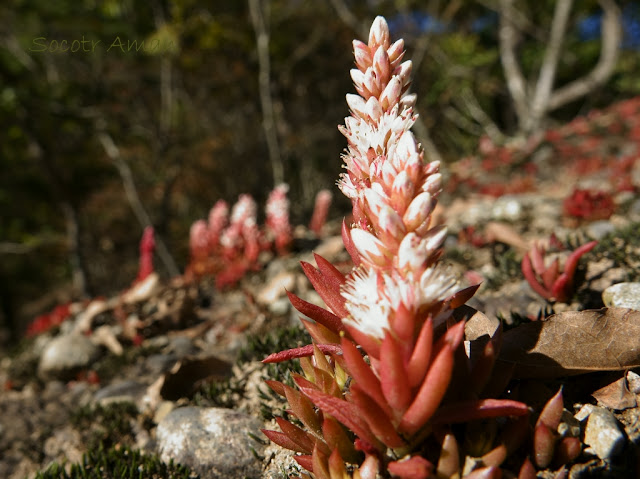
(185, 117)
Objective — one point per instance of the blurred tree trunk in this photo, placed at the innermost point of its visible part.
(532, 103)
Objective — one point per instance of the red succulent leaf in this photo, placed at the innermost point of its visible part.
(543, 445)
(281, 439)
(393, 375)
(415, 467)
(297, 435)
(490, 472)
(572, 261)
(277, 386)
(336, 465)
(461, 297)
(327, 288)
(430, 393)
(363, 375)
(319, 333)
(317, 313)
(302, 408)
(303, 382)
(301, 352)
(319, 459)
(550, 275)
(552, 412)
(345, 412)
(464, 411)
(403, 323)
(370, 344)
(336, 438)
(537, 258)
(527, 471)
(349, 246)
(567, 450)
(379, 423)
(304, 461)
(419, 360)
(329, 271)
(530, 276)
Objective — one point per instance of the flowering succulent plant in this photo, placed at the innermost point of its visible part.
(385, 375)
(549, 281)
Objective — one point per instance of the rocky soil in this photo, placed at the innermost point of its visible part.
(173, 369)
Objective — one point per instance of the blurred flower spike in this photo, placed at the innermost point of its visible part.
(384, 350)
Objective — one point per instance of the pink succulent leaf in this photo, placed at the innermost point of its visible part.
(298, 435)
(378, 421)
(345, 412)
(301, 352)
(544, 442)
(335, 435)
(305, 461)
(363, 375)
(336, 465)
(303, 409)
(320, 464)
(552, 412)
(276, 386)
(537, 258)
(370, 344)
(329, 271)
(572, 261)
(562, 288)
(326, 288)
(419, 360)
(464, 411)
(415, 467)
(317, 313)
(430, 393)
(349, 246)
(527, 471)
(459, 298)
(530, 276)
(490, 472)
(550, 275)
(567, 450)
(393, 374)
(281, 439)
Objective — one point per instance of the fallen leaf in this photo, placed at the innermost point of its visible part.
(616, 395)
(574, 342)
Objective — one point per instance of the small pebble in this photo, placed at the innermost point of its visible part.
(622, 295)
(602, 433)
(66, 354)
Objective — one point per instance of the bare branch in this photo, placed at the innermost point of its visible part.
(508, 37)
(609, 52)
(264, 85)
(540, 100)
(113, 152)
(349, 19)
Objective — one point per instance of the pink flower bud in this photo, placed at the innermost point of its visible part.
(381, 64)
(373, 109)
(379, 34)
(419, 210)
(357, 105)
(362, 55)
(369, 247)
(396, 52)
(391, 93)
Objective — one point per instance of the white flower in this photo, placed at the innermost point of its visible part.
(368, 310)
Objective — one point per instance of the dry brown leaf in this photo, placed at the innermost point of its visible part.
(574, 342)
(616, 395)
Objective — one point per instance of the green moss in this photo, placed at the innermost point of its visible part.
(259, 346)
(622, 247)
(117, 463)
(105, 425)
(507, 268)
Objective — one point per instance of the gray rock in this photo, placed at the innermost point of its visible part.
(603, 434)
(214, 442)
(622, 295)
(599, 229)
(66, 354)
(125, 391)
